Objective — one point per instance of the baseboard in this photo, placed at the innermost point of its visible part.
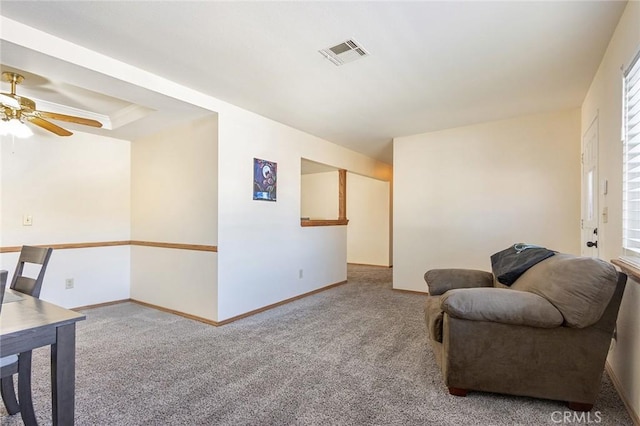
(238, 317)
(100, 305)
(174, 312)
(616, 384)
(283, 302)
(369, 264)
(422, 293)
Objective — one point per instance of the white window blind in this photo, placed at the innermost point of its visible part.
(631, 160)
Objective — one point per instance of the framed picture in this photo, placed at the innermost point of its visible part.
(265, 180)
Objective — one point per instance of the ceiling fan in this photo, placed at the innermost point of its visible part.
(14, 107)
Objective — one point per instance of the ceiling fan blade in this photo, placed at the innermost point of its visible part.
(68, 118)
(47, 125)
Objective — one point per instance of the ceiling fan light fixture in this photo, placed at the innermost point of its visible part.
(26, 109)
(15, 128)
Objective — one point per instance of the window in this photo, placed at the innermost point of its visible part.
(631, 162)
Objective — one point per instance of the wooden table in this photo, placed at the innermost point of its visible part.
(31, 323)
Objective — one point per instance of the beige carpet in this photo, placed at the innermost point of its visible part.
(356, 354)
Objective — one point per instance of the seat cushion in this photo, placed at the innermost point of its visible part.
(433, 315)
(579, 287)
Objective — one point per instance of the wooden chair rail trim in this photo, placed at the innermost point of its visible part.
(628, 269)
(65, 246)
(327, 222)
(196, 247)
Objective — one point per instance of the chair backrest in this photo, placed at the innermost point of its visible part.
(579, 287)
(3, 285)
(36, 255)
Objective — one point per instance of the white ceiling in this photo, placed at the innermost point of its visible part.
(432, 65)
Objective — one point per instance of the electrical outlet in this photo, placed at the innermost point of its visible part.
(300, 273)
(27, 220)
(68, 283)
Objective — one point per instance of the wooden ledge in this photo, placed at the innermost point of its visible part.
(336, 222)
(628, 268)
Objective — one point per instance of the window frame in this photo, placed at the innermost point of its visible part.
(631, 251)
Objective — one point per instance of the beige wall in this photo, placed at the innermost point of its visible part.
(77, 190)
(174, 193)
(262, 247)
(319, 195)
(368, 211)
(460, 195)
(604, 101)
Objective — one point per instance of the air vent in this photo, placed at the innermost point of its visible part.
(347, 51)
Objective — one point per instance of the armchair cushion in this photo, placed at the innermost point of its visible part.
(441, 280)
(579, 287)
(505, 306)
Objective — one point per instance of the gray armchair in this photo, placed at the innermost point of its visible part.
(546, 336)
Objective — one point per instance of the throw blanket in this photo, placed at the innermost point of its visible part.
(507, 265)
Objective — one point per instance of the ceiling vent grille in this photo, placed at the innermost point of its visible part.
(347, 51)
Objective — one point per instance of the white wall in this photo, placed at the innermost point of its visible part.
(77, 189)
(319, 195)
(368, 211)
(604, 100)
(463, 194)
(175, 200)
(262, 246)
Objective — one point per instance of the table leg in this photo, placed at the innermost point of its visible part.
(24, 389)
(9, 395)
(63, 375)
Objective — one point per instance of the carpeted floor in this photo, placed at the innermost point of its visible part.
(356, 354)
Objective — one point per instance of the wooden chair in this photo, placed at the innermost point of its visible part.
(3, 285)
(38, 256)
(8, 364)
(21, 364)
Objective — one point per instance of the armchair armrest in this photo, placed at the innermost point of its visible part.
(442, 280)
(505, 306)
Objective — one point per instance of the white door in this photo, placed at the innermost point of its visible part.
(590, 212)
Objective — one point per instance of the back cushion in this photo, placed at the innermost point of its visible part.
(579, 287)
